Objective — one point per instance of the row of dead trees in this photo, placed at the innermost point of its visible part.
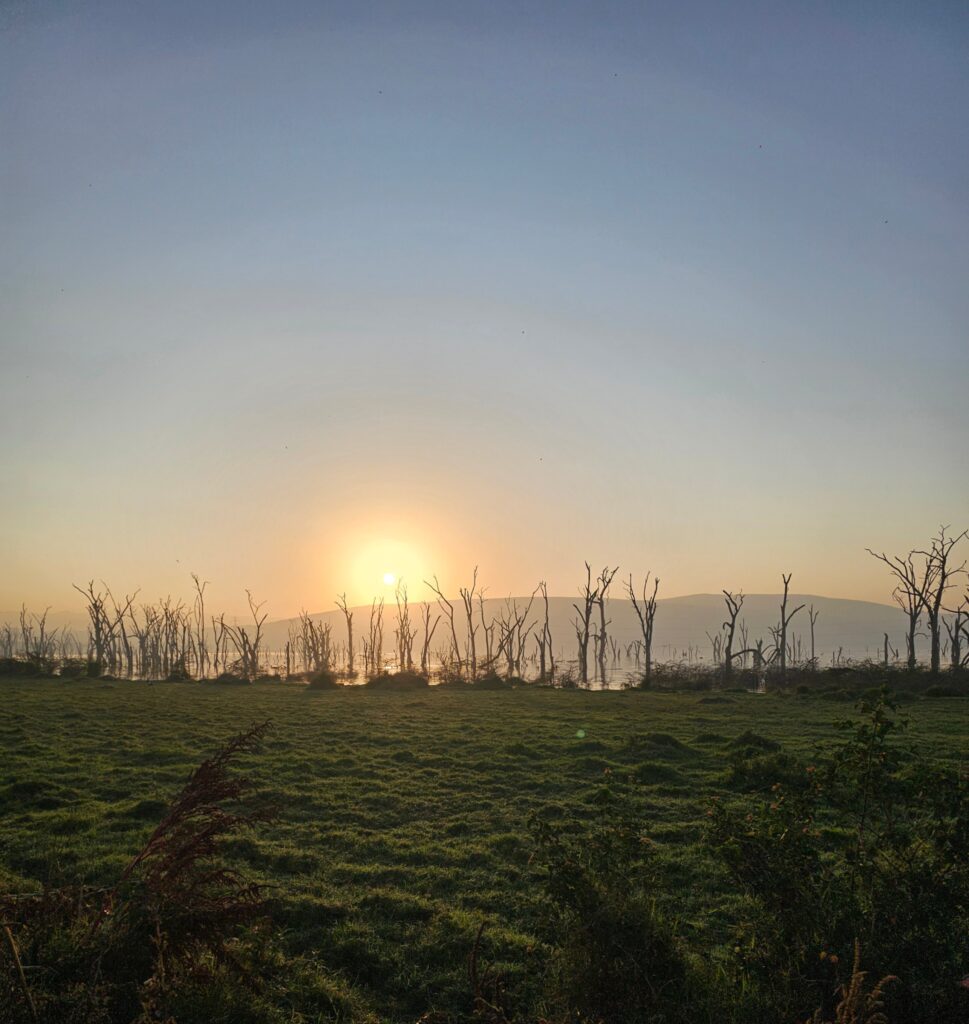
(172, 639)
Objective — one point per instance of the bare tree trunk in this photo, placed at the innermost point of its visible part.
(646, 613)
(602, 588)
(582, 623)
(428, 637)
(447, 609)
(734, 603)
(813, 616)
(341, 603)
(784, 623)
(941, 574)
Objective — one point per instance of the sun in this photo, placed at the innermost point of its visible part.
(389, 579)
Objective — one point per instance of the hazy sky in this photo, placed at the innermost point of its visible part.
(294, 294)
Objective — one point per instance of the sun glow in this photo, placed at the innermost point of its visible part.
(374, 561)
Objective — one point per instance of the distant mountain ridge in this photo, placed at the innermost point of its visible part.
(856, 628)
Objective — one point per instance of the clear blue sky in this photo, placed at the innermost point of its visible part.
(293, 294)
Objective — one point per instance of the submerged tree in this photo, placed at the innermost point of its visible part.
(940, 576)
(645, 609)
(428, 637)
(248, 648)
(341, 603)
(546, 659)
(105, 622)
(404, 633)
(582, 623)
(734, 603)
(914, 582)
(813, 617)
(447, 610)
(785, 621)
(602, 591)
(467, 599)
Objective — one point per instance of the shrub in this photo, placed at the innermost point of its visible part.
(324, 679)
(614, 956)
(18, 667)
(491, 681)
(178, 673)
(73, 668)
(230, 679)
(393, 681)
(872, 846)
(943, 691)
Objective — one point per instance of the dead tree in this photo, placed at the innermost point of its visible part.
(964, 638)
(603, 583)
(374, 649)
(887, 650)
(915, 581)
(955, 630)
(341, 603)
(38, 649)
(404, 634)
(312, 643)
(467, 597)
(428, 637)
(582, 623)
(447, 610)
(546, 658)
(7, 644)
(734, 603)
(248, 648)
(513, 635)
(716, 647)
(201, 650)
(487, 631)
(813, 616)
(104, 621)
(645, 609)
(220, 642)
(785, 621)
(941, 575)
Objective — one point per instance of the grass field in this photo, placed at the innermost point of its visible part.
(403, 818)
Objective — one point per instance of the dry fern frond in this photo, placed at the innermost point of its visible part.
(858, 1006)
(177, 874)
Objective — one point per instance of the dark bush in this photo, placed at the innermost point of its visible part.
(230, 679)
(614, 956)
(394, 681)
(491, 681)
(18, 667)
(178, 674)
(324, 679)
(943, 691)
(873, 847)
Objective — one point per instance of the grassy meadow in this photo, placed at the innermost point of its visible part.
(404, 819)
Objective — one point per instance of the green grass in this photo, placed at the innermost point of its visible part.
(403, 816)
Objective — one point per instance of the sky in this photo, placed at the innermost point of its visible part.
(294, 295)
